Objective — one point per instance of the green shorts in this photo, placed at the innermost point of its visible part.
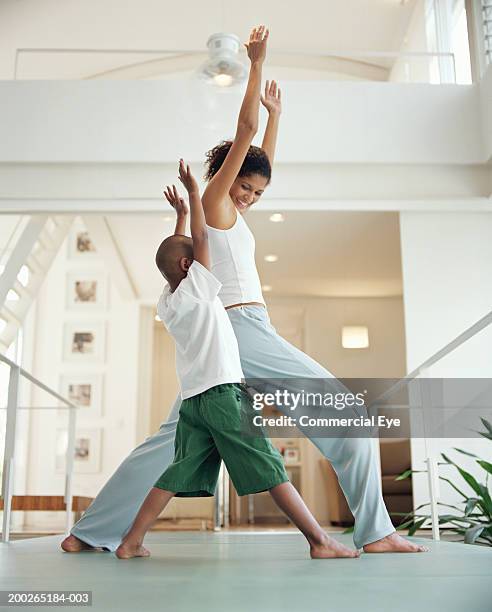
(212, 427)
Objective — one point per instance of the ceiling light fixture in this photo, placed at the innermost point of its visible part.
(223, 67)
(277, 218)
(271, 258)
(355, 337)
(266, 288)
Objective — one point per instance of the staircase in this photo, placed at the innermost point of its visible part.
(25, 269)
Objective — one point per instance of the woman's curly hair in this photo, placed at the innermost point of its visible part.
(255, 162)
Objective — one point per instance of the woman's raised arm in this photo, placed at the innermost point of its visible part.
(219, 210)
(272, 101)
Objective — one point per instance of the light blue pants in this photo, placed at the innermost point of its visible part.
(264, 355)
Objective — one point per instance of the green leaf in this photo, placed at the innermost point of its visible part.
(464, 452)
(415, 526)
(408, 473)
(447, 459)
(348, 530)
(486, 502)
(404, 525)
(487, 425)
(470, 505)
(470, 480)
(454, 486)
(444, 518)
(485, 434)
(473, 533)
(404, 475)
(486, 465)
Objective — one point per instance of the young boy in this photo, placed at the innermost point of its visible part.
(214, 406)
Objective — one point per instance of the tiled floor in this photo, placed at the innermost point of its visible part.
(255, 571)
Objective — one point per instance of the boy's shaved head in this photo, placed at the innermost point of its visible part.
(170, 253)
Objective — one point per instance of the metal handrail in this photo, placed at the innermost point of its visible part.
(336, 53)
(471, 331)
(37, 382)
(432, 466)
(10, 439)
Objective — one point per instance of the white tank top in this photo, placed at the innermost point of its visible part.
(232, 254)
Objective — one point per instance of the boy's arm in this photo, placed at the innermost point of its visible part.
(198, 224)
(180, 207)
(180, 228)
(272, 102)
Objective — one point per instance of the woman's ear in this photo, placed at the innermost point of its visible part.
(185, 263)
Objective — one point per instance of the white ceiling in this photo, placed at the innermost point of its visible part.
(313, 26)
(320, 253)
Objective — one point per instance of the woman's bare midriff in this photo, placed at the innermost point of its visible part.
(245, 304)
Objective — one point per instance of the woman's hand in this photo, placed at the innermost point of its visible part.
(179, 205)
(272, 99)
(256, 46)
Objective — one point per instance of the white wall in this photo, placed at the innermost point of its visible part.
(109, 121)
(447, 272)
(486, 112)
(119, 369)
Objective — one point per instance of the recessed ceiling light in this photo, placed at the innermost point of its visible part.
(277, 218)
(266, 288)
(271, 258)
(157, 318)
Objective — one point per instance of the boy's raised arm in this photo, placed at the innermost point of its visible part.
(198, 225)
(179, 205)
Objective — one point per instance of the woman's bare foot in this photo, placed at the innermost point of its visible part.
(72, 544)
(127, 550)
(329, 548)
(394, 543)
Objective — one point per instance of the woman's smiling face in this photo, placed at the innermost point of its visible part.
(247, 190)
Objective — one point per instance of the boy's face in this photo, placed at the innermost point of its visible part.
(247, 190)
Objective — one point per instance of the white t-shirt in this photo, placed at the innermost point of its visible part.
(207, 353)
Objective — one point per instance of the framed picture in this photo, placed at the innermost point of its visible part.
(87, 452)
(80, 244)
(84, 390)
(85, 342)
(87, 291)
(291, 455)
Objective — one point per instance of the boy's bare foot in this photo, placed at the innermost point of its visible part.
(331, 549)
(394, 543)
(128, 551)
(72, 544)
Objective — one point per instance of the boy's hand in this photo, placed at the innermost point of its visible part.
(257, 44)
(187, 178)
(272, 100)
(179, 205)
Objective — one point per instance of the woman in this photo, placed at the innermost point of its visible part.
(237, 175)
